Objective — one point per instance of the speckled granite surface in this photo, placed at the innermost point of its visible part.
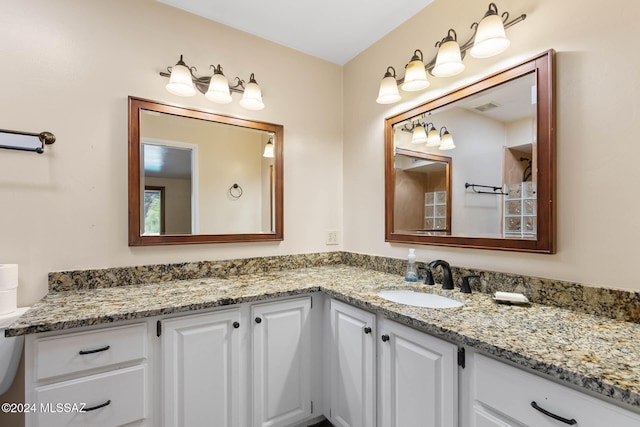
(613, 303)
(592, 352)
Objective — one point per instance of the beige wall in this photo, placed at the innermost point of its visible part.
(597, 133)
(69, 66)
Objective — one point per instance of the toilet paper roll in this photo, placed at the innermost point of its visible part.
(8, 301)
(8, 276)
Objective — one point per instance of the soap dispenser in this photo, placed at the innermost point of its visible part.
(412, 272)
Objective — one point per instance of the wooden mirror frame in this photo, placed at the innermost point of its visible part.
(135, 236)
(542, 66)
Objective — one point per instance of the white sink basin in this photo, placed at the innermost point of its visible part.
(419, 299)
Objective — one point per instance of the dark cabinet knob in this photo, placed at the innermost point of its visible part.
(236, 325)
(258, 320)
(367, 330)
(385, 338)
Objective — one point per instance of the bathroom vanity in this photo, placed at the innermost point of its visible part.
(325, 344)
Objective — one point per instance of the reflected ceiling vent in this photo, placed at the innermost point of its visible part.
(486, 107)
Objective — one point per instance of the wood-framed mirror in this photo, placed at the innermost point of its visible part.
(501, 189)
(200, 177)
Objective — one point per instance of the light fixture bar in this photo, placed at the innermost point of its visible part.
(202, 84)
(494, 36)
(469, 43)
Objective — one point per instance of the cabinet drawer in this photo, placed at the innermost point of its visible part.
(505, 392)
(72, 353)
(118, 397)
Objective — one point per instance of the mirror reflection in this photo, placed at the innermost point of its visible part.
(499, 134)
(491, 136)
(422, 193)
(196, 177)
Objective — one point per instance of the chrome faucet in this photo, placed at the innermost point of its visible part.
(447, 279)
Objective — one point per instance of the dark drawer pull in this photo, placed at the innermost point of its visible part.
(258, 320)
(236, 325)
(384, 338)
(97, 350)
(367, 330)
(552, 415)
(93, 408)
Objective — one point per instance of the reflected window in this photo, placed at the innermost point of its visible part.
(154, 211)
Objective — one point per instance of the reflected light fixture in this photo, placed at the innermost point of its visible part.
(216, 88)
(433, 136)
(446, 140)
(268, 149)
(488, 39)
(419, 134)
(426, 132)
(449, 59)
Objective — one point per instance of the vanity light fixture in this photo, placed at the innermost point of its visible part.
(216, 88)
(388, 93)
(415, 76)
(449, 59)
(490, 36)
(268, 149)
(488, 39)
(180, 81)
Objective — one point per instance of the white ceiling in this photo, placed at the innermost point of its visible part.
(334, 30)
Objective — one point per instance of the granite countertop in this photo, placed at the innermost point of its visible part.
(594, 353)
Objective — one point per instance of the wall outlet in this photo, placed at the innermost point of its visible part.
(332, 237)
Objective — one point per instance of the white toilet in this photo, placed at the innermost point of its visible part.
(10, 350)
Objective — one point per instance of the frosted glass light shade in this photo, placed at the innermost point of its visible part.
(268, 150)
(433, 138)
(447, 141)
(490, 38)
(415, 77)
(388, 93)
(180, 82)
(218, 91)
(252, 97)
(449, 60)
(419, 135)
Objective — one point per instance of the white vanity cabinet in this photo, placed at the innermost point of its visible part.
(418, 378)
(390, 375)
(281, 362)
(97, 378)
(353, 366)
(500, 395)
(201, 370)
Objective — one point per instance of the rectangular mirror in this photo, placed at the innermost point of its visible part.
(499, 133)
(422, 193)
(199, 177)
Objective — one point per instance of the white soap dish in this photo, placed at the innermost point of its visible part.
(510, 298)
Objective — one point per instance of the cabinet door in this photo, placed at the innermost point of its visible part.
(201, 385)
(418, 378)
(352, 366)
(281, 359)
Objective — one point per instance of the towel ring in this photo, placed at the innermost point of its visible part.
(235, 191)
